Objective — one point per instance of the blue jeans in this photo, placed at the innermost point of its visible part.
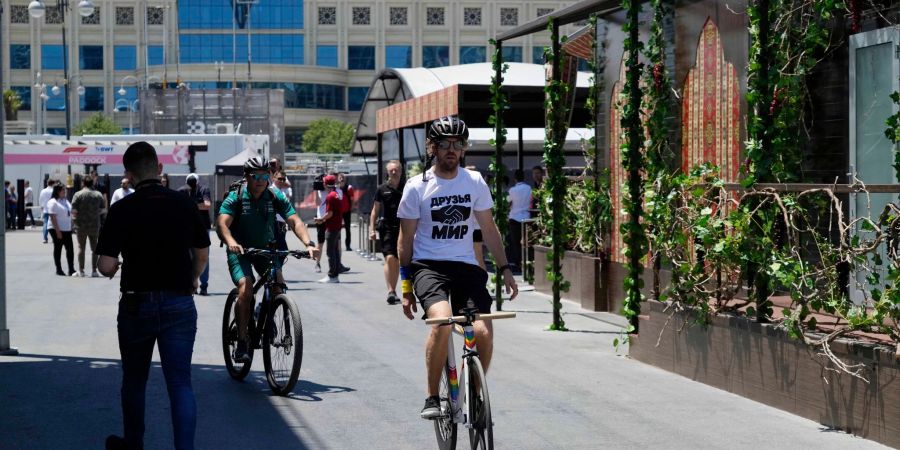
(46, 219)
(171, 320)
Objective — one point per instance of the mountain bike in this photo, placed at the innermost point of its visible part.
(275, 328)
(474, 409)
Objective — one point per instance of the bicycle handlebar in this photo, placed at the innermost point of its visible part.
(464, 319)
(299, 254)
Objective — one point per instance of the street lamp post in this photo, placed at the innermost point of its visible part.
(131, 107)
(41, 87)
(85, 8)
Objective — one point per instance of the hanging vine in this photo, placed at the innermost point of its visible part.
(554, 189)
(499, 104)
(892, 132)
(633, 231)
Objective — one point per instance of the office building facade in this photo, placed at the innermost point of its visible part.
(323, 54)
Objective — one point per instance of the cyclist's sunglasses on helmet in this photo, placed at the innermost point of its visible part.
(445, 144)
(260, 176)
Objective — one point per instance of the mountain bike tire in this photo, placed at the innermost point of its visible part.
(230, 338)
(283, 345)
(444, 426)
(481, 434)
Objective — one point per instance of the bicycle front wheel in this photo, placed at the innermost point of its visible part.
(444, 426)
(283, 345)
(230, 339)
(481, 434)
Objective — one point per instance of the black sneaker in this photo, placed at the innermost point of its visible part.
(241, 355)
(344, 269)
(432, 409)
(392, 299)
(204, 292)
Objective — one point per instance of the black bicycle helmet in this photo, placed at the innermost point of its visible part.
(448, 126)
(255, 164)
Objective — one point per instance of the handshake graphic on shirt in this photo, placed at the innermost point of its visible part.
(450, 215)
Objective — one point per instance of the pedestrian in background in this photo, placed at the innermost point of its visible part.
(164, 180)
(12, 207)
(383, 219)
(321, 195)
(519, 204)
(199, 194)
(347, 192)
(87, 205)
(43, 198)
(29, 201)
(60, 211)
(164, 248)
(281, 226)
(332, 223)
(122, 192)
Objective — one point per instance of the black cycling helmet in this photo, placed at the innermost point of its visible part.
(255, 164)
(448, 126)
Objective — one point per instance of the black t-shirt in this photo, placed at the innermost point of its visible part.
(154, 229)
(390, 200)
(200, 195)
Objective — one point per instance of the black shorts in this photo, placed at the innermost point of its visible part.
(388, 237)
(436, 281)
(476, 236)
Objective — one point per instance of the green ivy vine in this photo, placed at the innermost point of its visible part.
(499, 104)
(892, 132)
(633, 162)
(554, 189)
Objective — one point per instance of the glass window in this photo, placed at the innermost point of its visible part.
(90, 57)
(293, 139)
(156, 55)
(267, 48)
(56, 131)
(512, 54)
(25, 95)
(361, 57)
(329, 97)
(51, 57)
(435, 55)
(472, 54)
(219, 14)
(57, 102)
(398, 56)
(92, 100)
(19, 56)
(356, 96)
(327, 56)
(125, 57)
(583, 65)
(537, 55)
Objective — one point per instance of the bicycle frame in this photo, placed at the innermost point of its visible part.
(265, 282)
(470, 350)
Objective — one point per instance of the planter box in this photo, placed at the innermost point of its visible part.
(585, 273)
(760, 362)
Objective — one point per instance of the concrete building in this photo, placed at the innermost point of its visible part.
(323, 54)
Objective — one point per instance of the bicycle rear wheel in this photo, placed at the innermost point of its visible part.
(481, 434)
(283, 345)
(230, 338)
(444, 426)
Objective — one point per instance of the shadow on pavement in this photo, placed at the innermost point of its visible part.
(56, 402)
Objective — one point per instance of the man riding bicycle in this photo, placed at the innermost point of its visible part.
(438, 213)
(247, 219)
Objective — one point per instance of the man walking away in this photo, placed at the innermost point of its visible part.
(384, 219)
(200, 196)
(332, 222)
(44, 197)
(87, 204)
(29, 201)
(519, 203)
(164, 248)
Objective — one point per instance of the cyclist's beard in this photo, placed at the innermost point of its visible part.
(448, 165)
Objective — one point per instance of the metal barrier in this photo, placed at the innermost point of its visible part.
(367, 246)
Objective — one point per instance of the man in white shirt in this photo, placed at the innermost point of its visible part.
(437, 213)
(44, 197)
(122, 192)
(519, 203)
(28, 201)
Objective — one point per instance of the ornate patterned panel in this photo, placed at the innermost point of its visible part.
(399, 15)
(618, 178)
(327, 15)
(124, 15)
(362, 15)
(509, 17)
(434, 16)
(18, 14)
(472, 17)
(711, 111)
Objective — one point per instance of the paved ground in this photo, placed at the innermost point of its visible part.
(362, 381)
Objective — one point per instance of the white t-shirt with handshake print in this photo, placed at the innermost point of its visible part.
(445, 210)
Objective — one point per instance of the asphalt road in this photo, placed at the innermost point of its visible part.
(362, 382)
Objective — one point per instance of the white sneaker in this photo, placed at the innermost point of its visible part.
(78, 274)
(95, 274)
(330, 280)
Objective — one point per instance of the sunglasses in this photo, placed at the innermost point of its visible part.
(446, 145)
(281, 178)
(260, 177)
